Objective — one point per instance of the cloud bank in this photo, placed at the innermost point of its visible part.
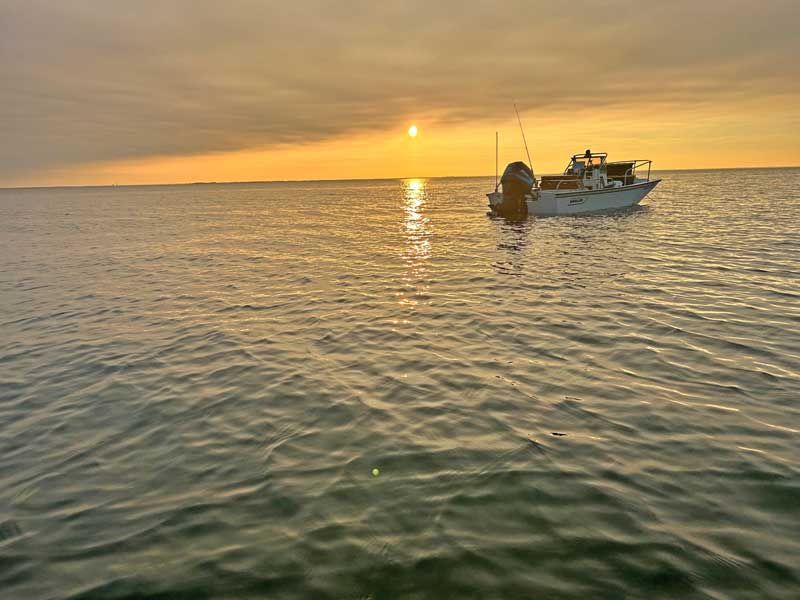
(86, 81)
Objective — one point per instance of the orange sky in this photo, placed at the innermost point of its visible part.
(96, 93)
(708, 141)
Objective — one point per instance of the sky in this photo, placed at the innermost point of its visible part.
(110, 91)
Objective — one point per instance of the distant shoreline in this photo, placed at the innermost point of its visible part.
(280, 181)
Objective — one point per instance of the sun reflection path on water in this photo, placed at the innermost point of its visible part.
(417, 233)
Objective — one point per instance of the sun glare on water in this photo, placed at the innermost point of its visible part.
(412, 131)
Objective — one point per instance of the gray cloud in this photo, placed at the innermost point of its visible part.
(94, 80)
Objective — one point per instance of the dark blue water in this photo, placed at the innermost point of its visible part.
(196, 383)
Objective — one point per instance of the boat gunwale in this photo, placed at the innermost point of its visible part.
(610, 190)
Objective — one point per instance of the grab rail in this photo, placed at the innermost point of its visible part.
(640, 163)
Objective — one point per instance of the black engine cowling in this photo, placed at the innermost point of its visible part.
(517, 181)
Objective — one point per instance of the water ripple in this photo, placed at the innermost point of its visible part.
(197, 382)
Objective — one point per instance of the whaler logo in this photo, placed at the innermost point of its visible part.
(577, 201)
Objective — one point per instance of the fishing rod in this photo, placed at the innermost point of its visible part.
(530, 162)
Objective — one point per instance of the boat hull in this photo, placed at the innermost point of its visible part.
(573, 202)
(546, 203)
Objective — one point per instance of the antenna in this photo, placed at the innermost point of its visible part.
(530, 163)
(496, 159)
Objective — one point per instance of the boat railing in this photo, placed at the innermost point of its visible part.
(628, 176)
(639, 164)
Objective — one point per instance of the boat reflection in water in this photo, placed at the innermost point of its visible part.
(513, 236)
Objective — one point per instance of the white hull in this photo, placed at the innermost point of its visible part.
(573, 202)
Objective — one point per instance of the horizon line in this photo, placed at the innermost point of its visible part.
(112, 185)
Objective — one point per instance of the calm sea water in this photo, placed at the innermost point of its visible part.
(196, 383)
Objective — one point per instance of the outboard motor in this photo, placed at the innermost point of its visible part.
(517, 181)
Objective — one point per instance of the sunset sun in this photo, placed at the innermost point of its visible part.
(412, 131)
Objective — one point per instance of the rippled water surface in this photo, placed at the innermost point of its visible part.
(196, 383)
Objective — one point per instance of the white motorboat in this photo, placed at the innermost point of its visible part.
(590, 183)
